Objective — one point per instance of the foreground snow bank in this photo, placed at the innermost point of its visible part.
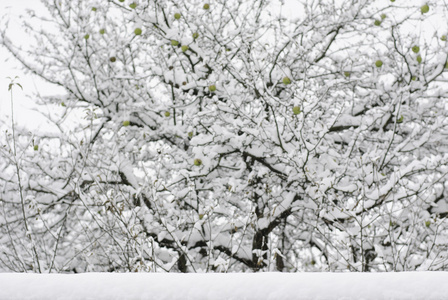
(278, 286)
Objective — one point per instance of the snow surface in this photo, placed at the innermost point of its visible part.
(281, 286)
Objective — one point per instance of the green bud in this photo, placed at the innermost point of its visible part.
(296, 110)
(286, 80)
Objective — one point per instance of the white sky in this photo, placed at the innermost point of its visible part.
(9, 67)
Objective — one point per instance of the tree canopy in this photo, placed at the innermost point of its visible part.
(231, 136)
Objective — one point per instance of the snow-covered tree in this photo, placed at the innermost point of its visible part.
(231, 136)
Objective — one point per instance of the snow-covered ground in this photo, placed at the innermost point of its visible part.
(279, 286)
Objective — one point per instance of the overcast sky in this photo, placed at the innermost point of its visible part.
(9, 67)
